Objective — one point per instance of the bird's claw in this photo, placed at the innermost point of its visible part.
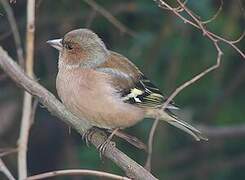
(86, 136)
(102, 147)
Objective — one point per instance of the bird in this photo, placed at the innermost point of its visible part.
(105, 88)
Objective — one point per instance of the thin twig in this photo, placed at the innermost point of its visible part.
(15, 31)
(178, 8)
(150, 145)
(74, 172)
(229, 42)
(200, 75)
(239, 39)
(214, 38)
(7, 151)
(23, 136)
(109, 17)
(33, 112)
(215, 15)
(27, 104)
(5, 170)
(195, 78)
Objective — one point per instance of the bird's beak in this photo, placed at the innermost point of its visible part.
(56, 43)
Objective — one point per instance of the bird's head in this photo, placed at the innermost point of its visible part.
(80, 47)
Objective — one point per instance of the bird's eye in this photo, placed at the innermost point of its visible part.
(68, 46)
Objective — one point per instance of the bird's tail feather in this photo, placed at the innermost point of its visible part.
(184, 126)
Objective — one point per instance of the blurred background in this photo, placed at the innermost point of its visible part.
(169, 52)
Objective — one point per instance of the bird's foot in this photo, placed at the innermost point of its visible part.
(102, 147)
(86, 136)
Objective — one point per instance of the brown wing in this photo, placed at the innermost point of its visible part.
(133, 86)
(124, 72)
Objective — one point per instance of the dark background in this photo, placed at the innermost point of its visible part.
(169, 52)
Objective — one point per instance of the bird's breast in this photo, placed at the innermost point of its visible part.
(89, 94)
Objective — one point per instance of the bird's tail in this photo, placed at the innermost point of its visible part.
(169, 117)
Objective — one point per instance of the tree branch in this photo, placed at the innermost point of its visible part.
(162, 4)
(150, 145)
(194, 21)
(73, 172)
(27, 103)
(5, 170)
(7, 151)
(130, 167)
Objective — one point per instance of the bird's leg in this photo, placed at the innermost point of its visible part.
(103, 146)
(86, 136)
(130, 139)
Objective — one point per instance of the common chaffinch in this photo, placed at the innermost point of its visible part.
(107, 89)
